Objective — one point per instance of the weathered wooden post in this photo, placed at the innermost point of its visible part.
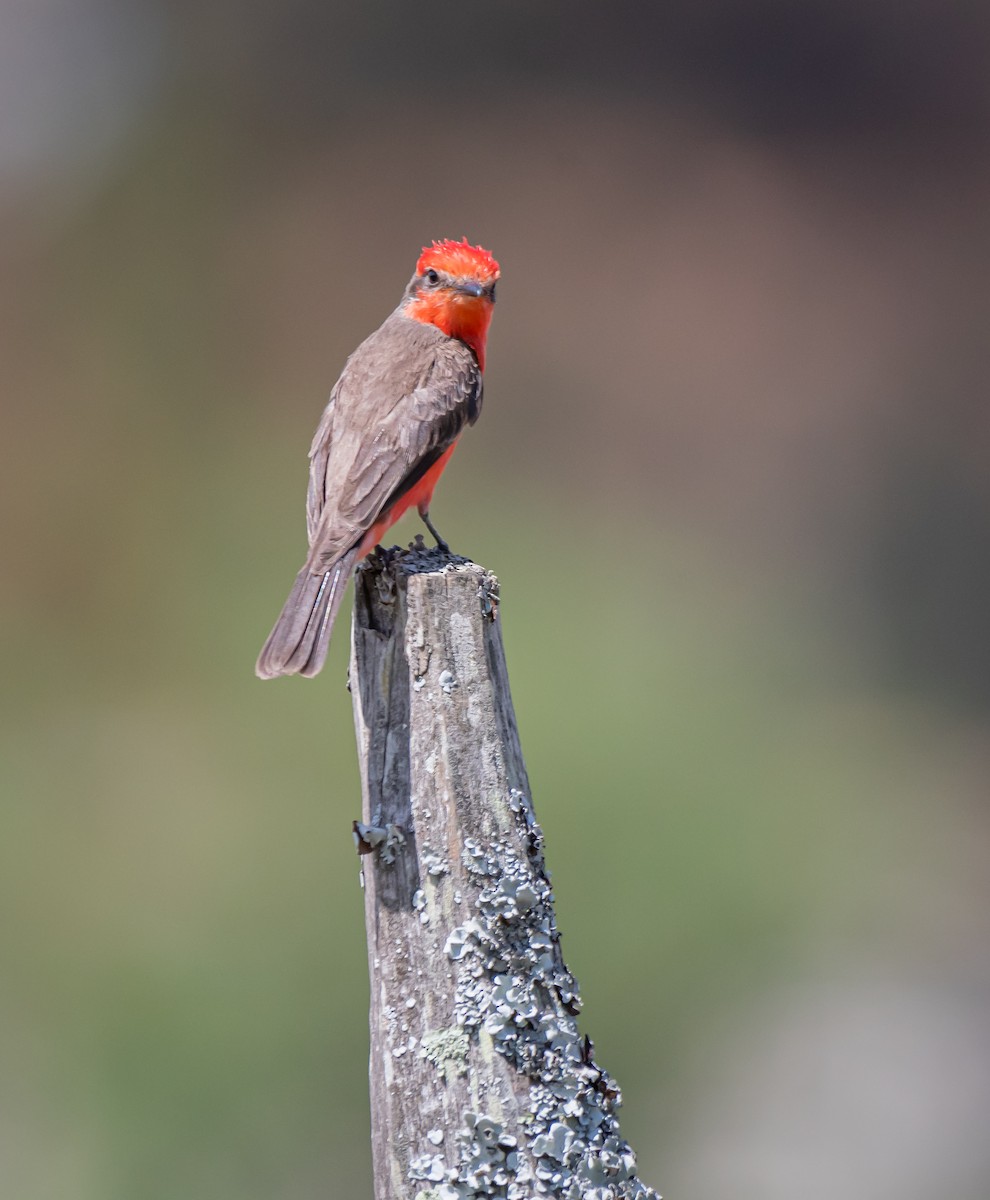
(481, 1084)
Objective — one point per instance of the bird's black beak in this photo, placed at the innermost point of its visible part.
(470, 287)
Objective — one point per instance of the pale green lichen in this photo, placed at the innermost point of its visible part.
(447, 1049)
(515, 994)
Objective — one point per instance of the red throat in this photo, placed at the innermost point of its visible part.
(464, 317)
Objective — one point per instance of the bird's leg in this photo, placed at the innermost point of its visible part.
(430, 526)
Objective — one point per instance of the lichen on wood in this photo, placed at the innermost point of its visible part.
(481, 1083)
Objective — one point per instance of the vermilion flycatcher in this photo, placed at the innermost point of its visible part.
(389, 429)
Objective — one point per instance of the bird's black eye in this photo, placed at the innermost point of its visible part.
(491, 292)
(432, 277)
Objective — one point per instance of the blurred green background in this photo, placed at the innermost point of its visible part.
(732, 473)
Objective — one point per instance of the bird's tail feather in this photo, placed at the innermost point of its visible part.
(298, 643)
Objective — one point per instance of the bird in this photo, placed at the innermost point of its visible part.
(392, 422)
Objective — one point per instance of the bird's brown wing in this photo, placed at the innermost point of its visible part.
(319, 458)
(403, 398)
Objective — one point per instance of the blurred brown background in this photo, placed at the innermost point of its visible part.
(732, 472)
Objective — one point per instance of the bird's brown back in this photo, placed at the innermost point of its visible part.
(403, 397)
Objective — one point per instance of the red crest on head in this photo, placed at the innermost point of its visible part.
(458, 258)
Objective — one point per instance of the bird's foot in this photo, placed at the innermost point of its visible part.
(441, 544)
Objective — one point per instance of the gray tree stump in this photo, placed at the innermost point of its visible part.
(481, 1084)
